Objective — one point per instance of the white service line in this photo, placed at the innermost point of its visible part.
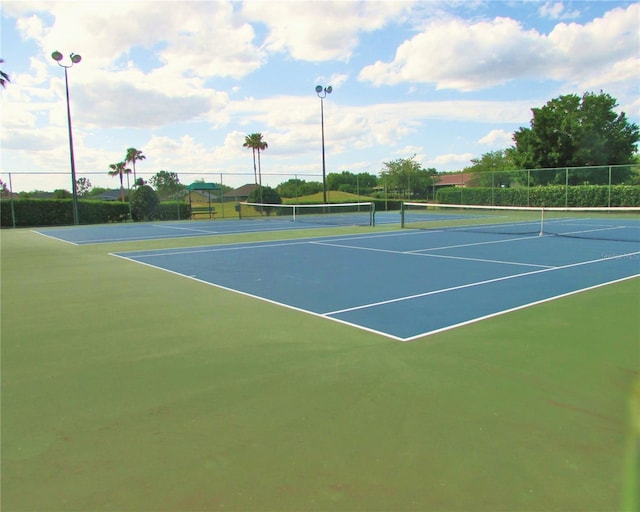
(414, 253)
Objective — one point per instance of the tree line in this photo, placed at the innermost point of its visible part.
(568, 131)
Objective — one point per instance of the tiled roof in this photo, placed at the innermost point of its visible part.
(242, 191)
(458, 179)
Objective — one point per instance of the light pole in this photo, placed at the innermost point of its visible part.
(322, 94)
(75, 58)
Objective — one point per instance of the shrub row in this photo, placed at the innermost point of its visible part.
(578, 196)
(59, 212)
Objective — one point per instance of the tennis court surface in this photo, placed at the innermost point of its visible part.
(84, 235)
(254, 218)
(409, 283)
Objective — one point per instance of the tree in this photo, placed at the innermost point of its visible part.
(296, 187)
(144, 202)
(260, 146)
(257, 144)
(570, 131)
(492, 169)
(120, 170)
(83, 186)
(61, 193)
(4, 77)
(346, 181)
(265, 195)
(167, 184)
(96, 191)
(405, 178)
(134, 155)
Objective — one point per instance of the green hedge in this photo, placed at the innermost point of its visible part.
(59, 212)
(172, 210)
(388, 205)
(574, 196)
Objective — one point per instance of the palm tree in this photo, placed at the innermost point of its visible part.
(120, 170)
(250, 142)
(134, 155)
(4, 78)
(257, 144)
(260, 146)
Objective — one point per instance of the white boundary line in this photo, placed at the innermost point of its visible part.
(523, 306)
(264, 243)
(263, 299)
(53, 237)
(478, 283)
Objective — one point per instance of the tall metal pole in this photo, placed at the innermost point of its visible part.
(74, 188)
(324, 166)
(57, 56)
(322, 93)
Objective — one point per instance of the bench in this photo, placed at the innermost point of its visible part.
(203, 210)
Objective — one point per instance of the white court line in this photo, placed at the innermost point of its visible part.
(263, 299)
(180, 228)
(477, 243)
(254, 245)
(260, 245)
(442, 256)
(469, 285)
(221, 248)
(595, 230)
(517, 308)
(53, 237)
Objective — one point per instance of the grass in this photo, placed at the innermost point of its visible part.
(228, 210)
(333, 196)
(128, 388)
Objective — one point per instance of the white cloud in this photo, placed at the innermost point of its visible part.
(462, 55)
(320, 31)
(202, 39)
(183, 81)
(556, 10)
(497, 138)
(452, 158)
(599, 51)
(470, 55)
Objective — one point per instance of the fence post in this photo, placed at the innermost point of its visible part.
(13, 211)
(493, 188)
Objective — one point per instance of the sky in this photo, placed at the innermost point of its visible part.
(442, 82)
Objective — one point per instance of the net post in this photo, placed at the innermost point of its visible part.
(372, 214)
(541, 221)
(401, 214)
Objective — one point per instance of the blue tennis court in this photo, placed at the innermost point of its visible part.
(141, 231)
(409, 283)
(83, 235)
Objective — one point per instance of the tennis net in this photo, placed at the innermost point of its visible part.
(340, 214)
(616, 223)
